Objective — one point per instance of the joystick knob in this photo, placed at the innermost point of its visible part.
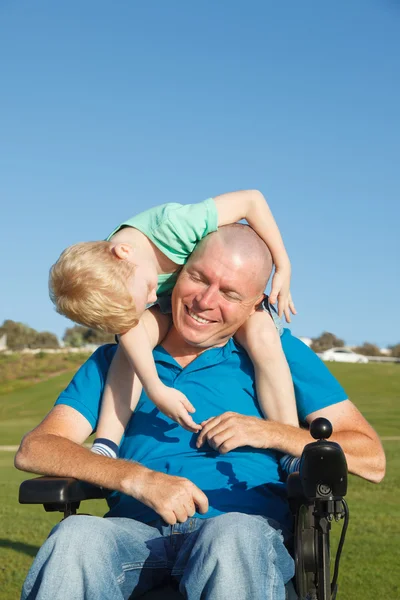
(321, 429)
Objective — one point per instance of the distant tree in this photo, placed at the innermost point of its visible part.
(395, 350)
(95, 336)
(368, 349)
(78, 336)
(326, 341)
(45, 339)
(20, 336)
(73, 336)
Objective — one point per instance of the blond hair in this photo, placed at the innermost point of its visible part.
(88, 285)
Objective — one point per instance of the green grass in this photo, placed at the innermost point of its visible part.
(23, 528)
(375, 389)
(21, 410)
(18, 371)
(371, 558)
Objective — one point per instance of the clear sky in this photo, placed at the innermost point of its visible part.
(109, 108)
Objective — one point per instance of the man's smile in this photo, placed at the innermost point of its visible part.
(197, 317)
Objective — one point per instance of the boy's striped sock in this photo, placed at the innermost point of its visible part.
(105, 447)
(289, 464)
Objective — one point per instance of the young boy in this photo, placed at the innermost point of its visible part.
(108, 285)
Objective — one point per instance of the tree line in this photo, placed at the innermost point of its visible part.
(328, 340)
(20, 336)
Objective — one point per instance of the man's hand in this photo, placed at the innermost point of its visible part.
(232, 430)
(175, 499)
(174, 405)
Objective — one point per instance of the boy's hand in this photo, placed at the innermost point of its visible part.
(174, 405)
(280, 291)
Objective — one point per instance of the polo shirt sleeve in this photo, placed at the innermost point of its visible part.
(314, 385)
(85, 391)
(176, 228)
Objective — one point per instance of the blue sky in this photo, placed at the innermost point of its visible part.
(108, 108)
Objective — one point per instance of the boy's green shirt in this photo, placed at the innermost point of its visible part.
(175, 229)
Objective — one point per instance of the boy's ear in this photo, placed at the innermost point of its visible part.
(123, 251)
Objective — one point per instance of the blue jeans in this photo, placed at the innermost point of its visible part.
(229, 557)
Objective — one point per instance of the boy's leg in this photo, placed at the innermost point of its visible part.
(120, 397)
(261, 340)
(92, 558)
(123, 388)
(266, 306)
(234, 557)
(260, 336)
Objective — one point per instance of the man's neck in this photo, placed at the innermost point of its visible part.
(180, 350)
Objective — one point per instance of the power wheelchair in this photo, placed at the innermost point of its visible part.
(316, 497)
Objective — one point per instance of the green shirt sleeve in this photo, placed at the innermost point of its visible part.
(176, 228)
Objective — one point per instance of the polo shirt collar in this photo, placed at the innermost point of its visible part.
(211, 356)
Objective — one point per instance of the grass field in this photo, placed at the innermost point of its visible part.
(370, 567)
(19, 371)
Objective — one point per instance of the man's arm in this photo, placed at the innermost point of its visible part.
(318, 394)
(54, 448)
(360, 443)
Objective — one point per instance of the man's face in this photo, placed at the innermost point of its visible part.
(214, 295)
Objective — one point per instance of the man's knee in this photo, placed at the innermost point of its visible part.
(234, 533)
(79, 535)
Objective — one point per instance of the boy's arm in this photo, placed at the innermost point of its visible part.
(120, 397)
(252, 206)
(138, 349)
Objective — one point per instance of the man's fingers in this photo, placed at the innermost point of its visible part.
(210, 424)
(218, 435)
(181, 513)
(228, 445)
(206, 421)
(200, 500)
(169, 517)
(190, 508)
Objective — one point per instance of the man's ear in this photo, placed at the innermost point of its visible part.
(123, 251)
(257, 304)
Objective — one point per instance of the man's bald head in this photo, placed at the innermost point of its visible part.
(243, 244)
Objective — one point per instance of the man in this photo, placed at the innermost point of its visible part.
(228, 475)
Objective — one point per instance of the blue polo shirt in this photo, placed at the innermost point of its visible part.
(219, 380)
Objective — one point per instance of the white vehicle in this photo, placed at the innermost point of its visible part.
(343, 355)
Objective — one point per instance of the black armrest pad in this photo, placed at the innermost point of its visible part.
(58, 490)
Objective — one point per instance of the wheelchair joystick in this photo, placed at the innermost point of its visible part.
(323, 481)
(323, 467)
(321, 429)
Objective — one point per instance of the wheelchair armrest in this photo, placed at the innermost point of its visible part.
(58, 493)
